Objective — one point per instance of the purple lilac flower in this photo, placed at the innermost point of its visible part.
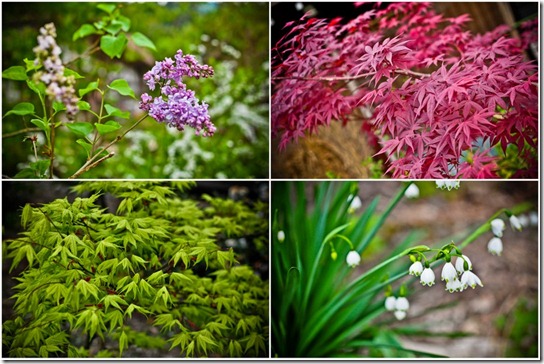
(59, 87)
(177, 106)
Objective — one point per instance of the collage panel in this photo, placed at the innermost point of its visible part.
(415, 90)
(166, 90)
(389, 269)
(135, 269)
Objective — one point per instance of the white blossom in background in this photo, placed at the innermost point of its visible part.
(353, 258)
(470, 279)
(402, 304)
(524, 221)
(427, 277)
(390, 303)
(400, 315)
(448, 272)
(533, 218)
(355, 204)
(281, 236)
(412, 191)
(495, 246)
(497, 227)
(460, 264)
(416, 269)
(515, 223)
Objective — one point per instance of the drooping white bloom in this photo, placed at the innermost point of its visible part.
(454, 286)
(448, 184)
(515, 223)
(390, 303)
(427, 277)
(415, 269)
(460, 264)
(355, 204)
(281, 236)
(448, 272)
(533, 218)
(524, 220)
(400, 315)
(402, 304)
(412, 191)
(497, 226)
(353, 258)
(470, 279)
(495, 246)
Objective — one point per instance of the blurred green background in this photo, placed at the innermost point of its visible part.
(231, 37)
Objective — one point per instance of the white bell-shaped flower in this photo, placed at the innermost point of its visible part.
(460, 264)
(515, 223)
(533, 218)
(402, 304)
(281, 236)
(427, 277)
(448, 272)
(415, 269)
(495, 246)
(400, 315)
(353, 258)
(390, 303)
(497, 227)
(454, 286)
(412, 191)
(355, 204)
(470, 279)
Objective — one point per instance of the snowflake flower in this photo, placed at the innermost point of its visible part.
(497, 226)
(495, 246)
(470, 279)
(454, 285)
(415, 269)
(448, 272)
(281, 236)
(412, 191)
(427, 277)
(400, 315)
(515, 223)
(355, 204)
(460, 264)
(177, 106)
(448, 184)
(353, 258)
(390, 303)
(402, 304)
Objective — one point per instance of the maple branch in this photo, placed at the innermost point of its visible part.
(351, 78)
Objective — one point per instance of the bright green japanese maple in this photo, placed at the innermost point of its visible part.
(91, 271)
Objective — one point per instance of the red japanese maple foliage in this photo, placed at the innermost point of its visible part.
(437, 101)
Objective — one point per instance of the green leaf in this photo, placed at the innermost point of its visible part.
(30, 65)
(108, 127)
(40, 167)
(68, 72)
(180, 278)
(90, 87)
(81, 128)
(124, 21)
(122, 87)
(58, 106)
(88, 147)
(123, 342)
(143, 41)
(113, 28)
(40, 124)
(26, 216)
(16, 73)
(83, 31)
(38, 88)
(23, 108)
(83, 105)
(108, 8)
(113, 111)
(113, 46)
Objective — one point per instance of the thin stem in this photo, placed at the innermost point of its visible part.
(95, 139)
(92, 49)
(91, 162)
(22, 131)
(52, 149)
(351, 78)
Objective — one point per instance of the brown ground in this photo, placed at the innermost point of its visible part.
(508, 279)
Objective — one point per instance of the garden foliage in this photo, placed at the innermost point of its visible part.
(436, 100)
(88, 271)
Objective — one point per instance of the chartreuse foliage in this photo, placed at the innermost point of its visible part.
(88, 270)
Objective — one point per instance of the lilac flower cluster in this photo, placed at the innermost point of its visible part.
(59, 87)
(177, 105)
